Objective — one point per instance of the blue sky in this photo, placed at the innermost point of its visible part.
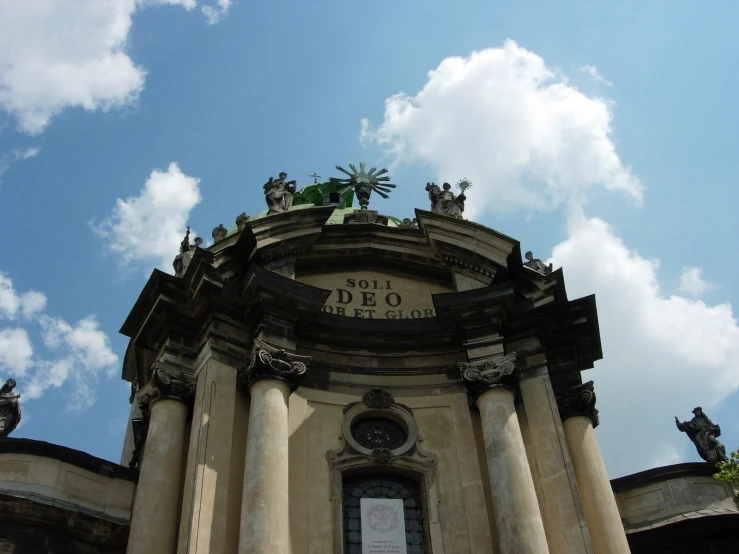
(602, 136)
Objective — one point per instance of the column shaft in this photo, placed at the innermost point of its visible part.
(156, 505)
(560, 504)
(265, 522)
(517, 517)
(599, 504)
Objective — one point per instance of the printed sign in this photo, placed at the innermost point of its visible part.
(374, 295)
(383, 526)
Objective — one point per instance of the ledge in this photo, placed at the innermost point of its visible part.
(67, 455)
(663, 473)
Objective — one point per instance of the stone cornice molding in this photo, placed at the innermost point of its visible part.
(578, 401)
(489, 305)
(269, 362)
(484, 375)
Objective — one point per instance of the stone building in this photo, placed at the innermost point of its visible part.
(324, 379)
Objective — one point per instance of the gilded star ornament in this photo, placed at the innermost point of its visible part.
(364, 182)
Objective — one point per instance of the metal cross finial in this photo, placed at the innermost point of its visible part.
(315, 176)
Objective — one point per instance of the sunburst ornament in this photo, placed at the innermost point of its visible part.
(464, 184)
(364, 182)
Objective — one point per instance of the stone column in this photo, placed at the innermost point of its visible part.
(559, 498)
(155, 510)
(579, 417)
(265, 518)
(518, 520)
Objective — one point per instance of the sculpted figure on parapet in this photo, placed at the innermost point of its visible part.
(279, 194)
(703, 432)
(10, 409)
(445, 202)
(187, 251)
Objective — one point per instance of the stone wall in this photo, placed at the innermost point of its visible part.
(58, 500)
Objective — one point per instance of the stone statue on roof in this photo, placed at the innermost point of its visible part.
(10, 409)
(703, 432)
(187, 251)
(241, 221)
(219, 233)
(536, 264)
(445, 202)
(279, 194)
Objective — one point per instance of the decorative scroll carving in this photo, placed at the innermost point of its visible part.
(173, 384)
(377, 399)
(408, 223)
(219, 233)
(365, 216)
(484, 375)
(269, 362)
(703, 432)
(579, 400)
(10, 408)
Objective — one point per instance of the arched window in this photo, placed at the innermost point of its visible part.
(382, 486)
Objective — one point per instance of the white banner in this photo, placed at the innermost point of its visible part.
(383, 526)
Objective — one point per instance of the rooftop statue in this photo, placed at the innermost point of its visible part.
(241, 221)
(219, 233)
(536, 264)
(10, 409)
(703, 432)
(445, 202)
(279, 194)
(187, 251)
(363, 182)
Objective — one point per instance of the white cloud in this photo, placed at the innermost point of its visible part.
(72, 353)
(149, 227)
(16, 351)
(595, 74)
(28, 303)
(9, 158)
(510, 124)
(58, 54)
(663, 355)
(216, 14)
(692, 283)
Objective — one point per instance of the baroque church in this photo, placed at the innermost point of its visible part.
(326, 379)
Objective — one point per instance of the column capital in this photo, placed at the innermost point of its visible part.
(484, 375)
(269, 362)
(172, 384)
(578, 401)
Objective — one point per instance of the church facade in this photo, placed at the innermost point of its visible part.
(325, 379)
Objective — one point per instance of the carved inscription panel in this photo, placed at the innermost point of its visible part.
(374, 295)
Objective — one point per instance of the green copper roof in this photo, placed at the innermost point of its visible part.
(314, 195)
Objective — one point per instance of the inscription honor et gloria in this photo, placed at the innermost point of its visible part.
(374, 299)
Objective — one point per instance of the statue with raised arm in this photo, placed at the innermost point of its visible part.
(703, 432)
(279, 194)
(445, 202)
(10, 408)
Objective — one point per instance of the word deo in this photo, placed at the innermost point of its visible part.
(372, 299)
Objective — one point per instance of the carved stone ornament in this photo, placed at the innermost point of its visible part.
(408, 223)
(10, 408)
(241, 221)
(279, 194)
(219, 233)
(365, 216)
(484, 375)
(578, 401)
(173, 384)
(268, 362)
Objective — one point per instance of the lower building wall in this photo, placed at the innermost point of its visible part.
(446, 434)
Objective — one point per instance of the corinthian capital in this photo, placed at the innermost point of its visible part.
(579, 400)
(268, 362)
(173, 384)
(484, 375)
